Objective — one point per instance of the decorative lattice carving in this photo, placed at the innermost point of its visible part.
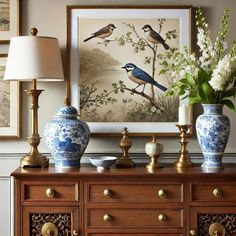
(61, 220)
(205, 220)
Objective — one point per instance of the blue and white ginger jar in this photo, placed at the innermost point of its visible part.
(67, 137)
(213, 129)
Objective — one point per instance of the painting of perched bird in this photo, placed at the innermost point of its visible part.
(141, 77)
(102, 33)
(135, 93)
(153, 37)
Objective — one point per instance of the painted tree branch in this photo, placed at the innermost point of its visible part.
(90, 97)
(107, 41)
(147, 44)
(87, 98)
(150, 99)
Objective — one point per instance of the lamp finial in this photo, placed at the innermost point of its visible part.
(33, 31)
(67, 102)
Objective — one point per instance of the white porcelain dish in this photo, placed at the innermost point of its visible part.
(103, 162)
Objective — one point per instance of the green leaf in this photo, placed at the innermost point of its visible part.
(233, 74)
(229, 104)
(229, 93)
(181, 92)
(182, 81)
(190, 80)
(205, 91)
(169, 93)
(194, 99)
(203, 76)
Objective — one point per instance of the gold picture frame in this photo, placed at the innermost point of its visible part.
(120, 104)
(9, 20)
(10, 104)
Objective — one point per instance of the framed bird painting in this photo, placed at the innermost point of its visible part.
(10, 114)
(9, 19)
(115, 55)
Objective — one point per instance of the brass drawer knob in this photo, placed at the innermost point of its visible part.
(49, 229)
(217, 229)
(217, 192)
(162, 194)
(107, 192)
(75, 233)
(193, 232)
(107, 218)
(162, 218)
(50, 192)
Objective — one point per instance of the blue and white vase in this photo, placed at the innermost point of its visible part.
(67, 137)
(213, 130)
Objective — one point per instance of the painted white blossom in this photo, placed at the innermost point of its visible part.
(153, 109)
(158, 111)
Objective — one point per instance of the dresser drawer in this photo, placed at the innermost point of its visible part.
(213, 192)
(111, 192)
(135, 234)
(50, 191)
(135, 218)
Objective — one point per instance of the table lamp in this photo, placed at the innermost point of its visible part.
(32, 58)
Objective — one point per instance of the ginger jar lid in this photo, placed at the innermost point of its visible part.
(67, 111)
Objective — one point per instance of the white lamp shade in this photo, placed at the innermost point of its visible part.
(34, 57)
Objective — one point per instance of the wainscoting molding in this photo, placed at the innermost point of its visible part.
(10, 161)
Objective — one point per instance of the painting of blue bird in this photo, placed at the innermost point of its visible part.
(141, 77)
(119, 67)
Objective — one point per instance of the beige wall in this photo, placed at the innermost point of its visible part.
(49, 16)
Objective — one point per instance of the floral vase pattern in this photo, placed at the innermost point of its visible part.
(213, 130)
(67, 137)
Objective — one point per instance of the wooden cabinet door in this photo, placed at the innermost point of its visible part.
(207, 221)
(64, 219)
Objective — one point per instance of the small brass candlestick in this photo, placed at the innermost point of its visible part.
(124, 161)
(184, 160)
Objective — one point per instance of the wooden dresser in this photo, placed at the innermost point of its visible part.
(125, 202)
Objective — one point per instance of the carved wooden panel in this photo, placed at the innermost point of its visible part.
(205, 220)
(61, 220)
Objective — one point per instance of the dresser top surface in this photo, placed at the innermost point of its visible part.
(168, 171)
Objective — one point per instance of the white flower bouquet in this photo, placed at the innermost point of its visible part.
(209, 78)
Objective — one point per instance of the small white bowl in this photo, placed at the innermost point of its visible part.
(103, 162)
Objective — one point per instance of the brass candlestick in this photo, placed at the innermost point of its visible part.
(184, 160)
(124, 161)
